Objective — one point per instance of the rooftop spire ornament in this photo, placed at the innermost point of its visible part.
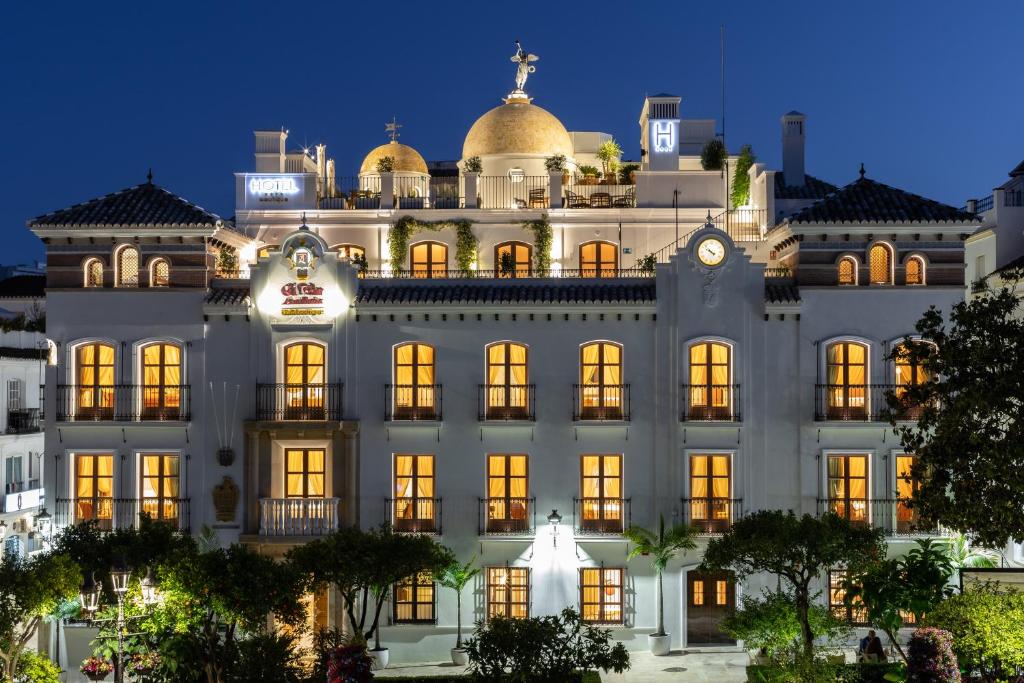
(392, 129)
(524, 68)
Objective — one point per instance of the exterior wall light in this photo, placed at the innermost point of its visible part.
(554, 519)
(119, 576)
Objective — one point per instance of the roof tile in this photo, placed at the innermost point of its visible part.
(144, 205)
(619, 291)
(813, 188)
(868, 201)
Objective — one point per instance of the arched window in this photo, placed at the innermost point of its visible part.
(93, 271)
(908, 374)
(880, 262)
(94, 370)
(847, 381)
(304, 381)
(128, 267)
(507, 389)
(598, 259)
(429, 259)
(915, 270)
(350, 251)
(847, 271)
(601, 389)
(161, 381)
(710, 389)
(159, 273)
(414, 390)
(513, 259)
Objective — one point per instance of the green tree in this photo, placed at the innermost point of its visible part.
(969, 432)
(457, 576)
(740, 193)
(36, 668)
(609, 152)
(797, 549)
(769, 623)
(713, 155)
(987, 628)
(30, 589)
(661, 546)
(961, 553)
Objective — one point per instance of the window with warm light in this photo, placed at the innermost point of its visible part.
(847, 380)
(160, 273)
(93, 273)
(508, 592)
(429, 259)
(599, 259)
(159, 485)
(852, 614)
(601, 500)
(414, 493)
(161, 381)
(507, 493)
(305, 376)
(710, 492)
(513, 259)
(915, 271)
(709, 389)
(128, 267)
(907, 485)
(601, 595)
(94, 488)
(507, 380)
(601, 387)
(414, 381)
(880, 264)
(305, 472)
(94, 369)
(909, 373)
(414, 600)
(848, 487)
(847, 271)
(350, 251)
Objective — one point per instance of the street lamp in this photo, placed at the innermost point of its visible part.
(148, 585)
(120, 576)
(554, 519)
(41, 522)
(89, 597)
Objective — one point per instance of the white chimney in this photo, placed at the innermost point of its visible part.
(270, 145)
(793, 143)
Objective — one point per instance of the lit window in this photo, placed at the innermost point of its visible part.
(709, 388)
(161, 382)
(848, 486)
(414, 382)
(304, 472)
(601, 385)
(601, 595)
(160, 487)
(508, 592)
(907, 485)
(598, 259)
(837, 600)
(697, 592)
(710, 487)
(880, 260)
(128, 267)
(414, 493)
(94, 489)
(601, 500)
(350, 251)
(847, 381)
(721, 592)
(915, 270)
(95, 376)
(847, 271)
(305, 377)
(513, 259)
(414, 600)
(507, 381)
(507, 491)
(161, 274)
(429, 259)
(94, 273)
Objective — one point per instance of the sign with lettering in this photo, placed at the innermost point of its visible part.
(302, 298)
(664, 136)
(275, 190)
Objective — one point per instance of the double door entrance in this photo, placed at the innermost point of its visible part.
(709, 598)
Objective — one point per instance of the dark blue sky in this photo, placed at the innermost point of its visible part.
(928, 95)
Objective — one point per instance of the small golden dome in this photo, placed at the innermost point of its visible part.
(407, 160)
(517, 127)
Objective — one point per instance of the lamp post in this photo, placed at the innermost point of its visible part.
(554, 519)
(41, 522)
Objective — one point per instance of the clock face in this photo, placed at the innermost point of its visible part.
(711, 251)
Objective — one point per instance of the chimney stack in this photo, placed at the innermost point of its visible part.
(793, 143)
(270, 147)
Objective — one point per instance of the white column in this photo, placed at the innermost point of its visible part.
(470, 180)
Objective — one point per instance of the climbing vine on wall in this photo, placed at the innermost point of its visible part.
(405, 227)
(542, 232)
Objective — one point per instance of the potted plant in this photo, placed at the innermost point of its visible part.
(712, 156)
(96, 669)
(611, 176)
(472, 165)
(456, 576)
(609, 152)
(589, 174)
(661, 547)
(386, 164)
(557, 163)
(646, 263)
(627, 174)
(143, 663)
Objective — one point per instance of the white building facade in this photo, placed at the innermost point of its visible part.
(378, 354)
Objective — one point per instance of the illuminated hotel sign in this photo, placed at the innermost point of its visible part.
(275, 190)
(302, 298)
(272, 189)
(663, 135)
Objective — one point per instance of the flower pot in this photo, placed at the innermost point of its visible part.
(380, 658)
(459, 656)
(225, 456)
(96, 677)
(660, 645)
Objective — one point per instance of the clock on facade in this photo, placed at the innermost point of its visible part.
(711, 251)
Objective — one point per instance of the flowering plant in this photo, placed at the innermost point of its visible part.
(96, 667)
(930, 657)
(144, 662)
(349, 665)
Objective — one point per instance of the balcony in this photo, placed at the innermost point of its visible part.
(299, 402)
(601, 516)
(415, 515)
(710, 403)
(22, 495)
(857, 403)
(23, 421)
(893, 515)
(298, 516)
(600, 403)
(712, 515)
(122, 513)
(506, 403)
(123, 403)
(508, 516)
(412, 402)
(523, 273)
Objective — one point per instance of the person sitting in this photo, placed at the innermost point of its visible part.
(863, 647)
(875, 652)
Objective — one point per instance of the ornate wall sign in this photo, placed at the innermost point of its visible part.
(225, 500)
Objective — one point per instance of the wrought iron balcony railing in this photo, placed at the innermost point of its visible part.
(710, 403)
(600, 403)
(506, 403)
(601, 516)
(858, 403)
(894, 515)
(303, 402)
(415, 515)
(23, 421)
(712, 515)
(122, 513)
(412, 402)
(508, 516)
(123, 403)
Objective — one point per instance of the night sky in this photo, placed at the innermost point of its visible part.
(927, 94)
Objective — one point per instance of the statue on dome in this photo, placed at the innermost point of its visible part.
(522, 59)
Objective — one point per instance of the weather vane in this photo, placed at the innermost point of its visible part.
(524, 68)
(392, 129)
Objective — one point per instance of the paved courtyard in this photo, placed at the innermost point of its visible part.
(725, 666)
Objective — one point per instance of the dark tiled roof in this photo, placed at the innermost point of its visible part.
(813, 188)
(1015, 263)
(781, 291)
(868, 201)
(228, 296)
(145, 205)
(23, 354)
(23, 285)
(1018, 170)
(619, 291)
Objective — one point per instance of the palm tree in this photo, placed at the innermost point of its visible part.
(661, 547)
(456, 576)
(961, 554)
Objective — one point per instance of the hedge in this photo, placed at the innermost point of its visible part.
(862, 673)
(586, 677)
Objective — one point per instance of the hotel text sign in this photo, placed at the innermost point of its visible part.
(302, 298)
(276, 190)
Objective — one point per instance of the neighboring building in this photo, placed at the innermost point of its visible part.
(523, 406)
(22, 295)
(22, 269)
(999, 245)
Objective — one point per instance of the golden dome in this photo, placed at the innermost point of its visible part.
(517, 128)
(407, 160)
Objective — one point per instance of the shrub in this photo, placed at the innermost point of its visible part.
(36, 668)
(472, 165)
(270, 658)
(554, 648)
(385, 165)
(586, 170)
(769, 622)
(349, 664)
(555, 163)
(625, 172)
(987, 629)
(712, 156)
(930, 657)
